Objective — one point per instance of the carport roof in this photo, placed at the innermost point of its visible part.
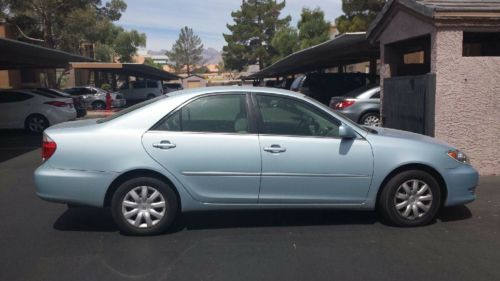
(348, 48)
(17, 54)
(131, 69)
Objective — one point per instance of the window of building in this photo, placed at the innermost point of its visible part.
(414, 57)
(481, 44)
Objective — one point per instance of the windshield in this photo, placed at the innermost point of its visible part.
(130, 109)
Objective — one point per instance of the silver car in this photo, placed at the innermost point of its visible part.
(361, 105)
(246, 148)
(95, 98)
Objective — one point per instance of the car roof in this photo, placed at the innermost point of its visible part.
(233, 89)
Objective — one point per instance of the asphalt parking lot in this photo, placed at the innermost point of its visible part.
(45, 241)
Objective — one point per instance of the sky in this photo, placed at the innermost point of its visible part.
(162, 20)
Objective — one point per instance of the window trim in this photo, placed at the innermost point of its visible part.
(260, 121)
(252, 126)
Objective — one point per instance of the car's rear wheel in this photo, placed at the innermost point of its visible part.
(411, 198)
(371, 119)
(144, 206)
(36, 123)
(98, 105)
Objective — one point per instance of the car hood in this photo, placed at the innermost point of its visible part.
(399, 134)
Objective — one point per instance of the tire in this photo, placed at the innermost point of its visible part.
(98, 105)
(137, 223)
(401, 189)
(36, 123)
(370, 119)
(150, 96)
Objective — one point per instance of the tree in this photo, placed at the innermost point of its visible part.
(255, 25)
(150, 62)
(186, 51)
(127, 43)
(69, 24)
(285, 42)
(358, 14)
(313, 29)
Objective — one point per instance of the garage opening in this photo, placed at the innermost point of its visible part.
(409, 93)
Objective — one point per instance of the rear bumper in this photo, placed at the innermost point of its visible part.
(119, 103)
(72, 186)
(461, 183)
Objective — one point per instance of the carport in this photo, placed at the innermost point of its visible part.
(23, 62)
(82, 73)
(343, 50)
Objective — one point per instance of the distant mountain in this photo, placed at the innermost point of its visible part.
(209, 56)
(157, 53)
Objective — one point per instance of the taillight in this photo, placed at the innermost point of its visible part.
(344, 104)
(48, 147)
(58, 103)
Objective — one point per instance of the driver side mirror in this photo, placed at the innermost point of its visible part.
(347, 132)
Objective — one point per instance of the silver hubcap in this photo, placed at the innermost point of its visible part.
(37, 124)
(413, 199)
(372, 121)
(143, 207)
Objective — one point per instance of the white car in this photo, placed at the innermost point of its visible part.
(141, 90)
(95, 98)
(23, 109)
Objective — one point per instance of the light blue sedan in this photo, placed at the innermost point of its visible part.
(246, 148)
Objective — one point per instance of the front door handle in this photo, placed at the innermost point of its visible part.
(275, 148)
(164, 144)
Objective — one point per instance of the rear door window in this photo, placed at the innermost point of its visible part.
(216, 113)
(152, 84)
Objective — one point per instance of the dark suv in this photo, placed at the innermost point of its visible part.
(324, 86)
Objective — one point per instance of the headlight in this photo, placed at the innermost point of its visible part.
(459, 156)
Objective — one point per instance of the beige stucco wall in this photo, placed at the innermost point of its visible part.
(467, 101)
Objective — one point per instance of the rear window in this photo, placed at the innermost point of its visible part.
(44, 94)
(139, 84)
(130, 109)
(152, 84)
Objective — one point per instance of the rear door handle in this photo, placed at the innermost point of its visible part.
(164, 144)
(275, 148)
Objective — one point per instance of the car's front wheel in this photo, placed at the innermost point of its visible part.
(411, 198)
(144, 206)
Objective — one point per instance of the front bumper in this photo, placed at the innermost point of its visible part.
(461, 183)
(72, 186)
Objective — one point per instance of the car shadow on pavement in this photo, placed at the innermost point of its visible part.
(455, 213)
(100, 220)
(16, 142)
(86, 219)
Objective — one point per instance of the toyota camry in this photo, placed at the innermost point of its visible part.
(246, 148)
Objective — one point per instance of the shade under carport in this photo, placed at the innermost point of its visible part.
(348, 48)
(21, 55)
